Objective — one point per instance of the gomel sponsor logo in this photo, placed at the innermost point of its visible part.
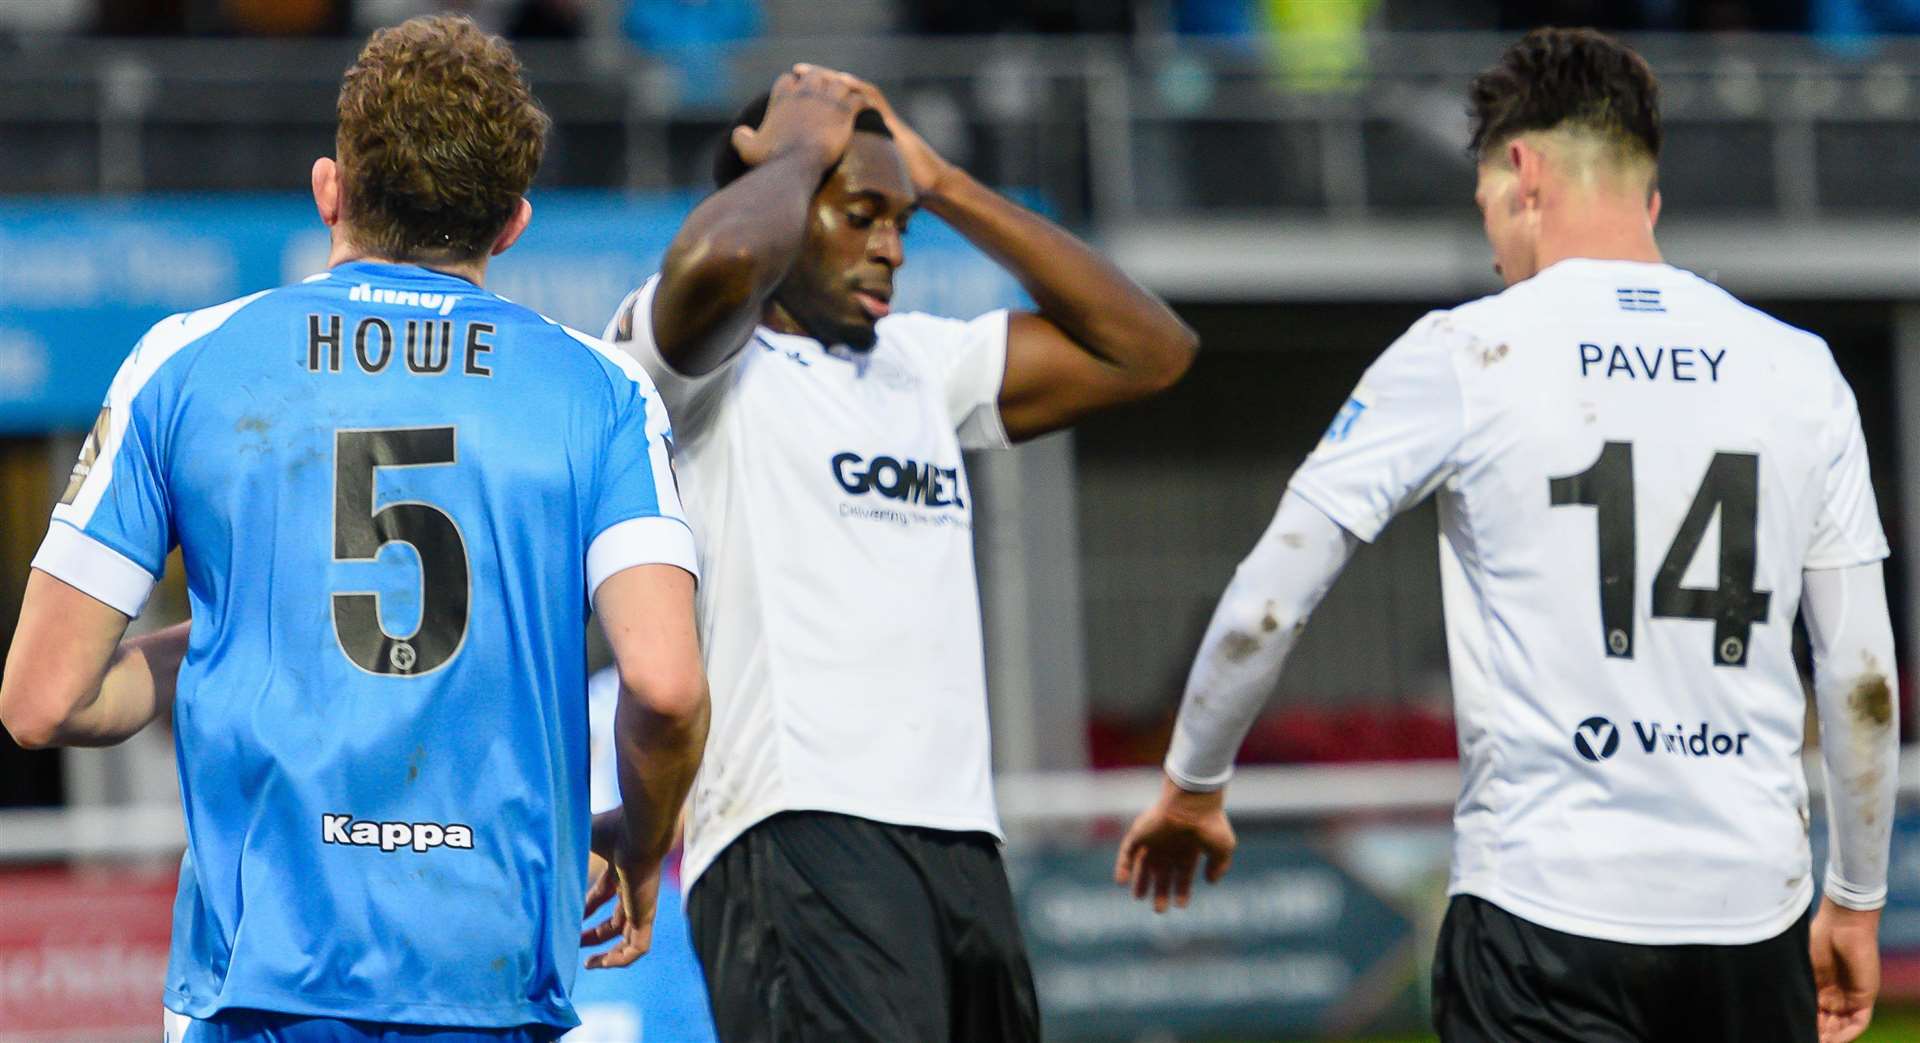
(908, 481)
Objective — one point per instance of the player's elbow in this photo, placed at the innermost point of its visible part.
(677, 697)
(1163, 356)
(32, 722)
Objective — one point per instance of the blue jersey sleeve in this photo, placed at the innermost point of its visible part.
(637, 517)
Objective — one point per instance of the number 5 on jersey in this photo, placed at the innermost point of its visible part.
(1732, 487)
(359, 532)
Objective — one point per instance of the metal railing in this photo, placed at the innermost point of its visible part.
(1109, 128)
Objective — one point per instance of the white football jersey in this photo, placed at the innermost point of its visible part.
(1633, 469)
(839, 611)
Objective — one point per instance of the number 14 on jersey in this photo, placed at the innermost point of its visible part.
(1730, 488)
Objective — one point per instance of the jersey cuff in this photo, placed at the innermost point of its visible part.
(1325, 504)
(1850, 896)
(1846, 561)
(652, 540)
(1193, 784)
(94, 569)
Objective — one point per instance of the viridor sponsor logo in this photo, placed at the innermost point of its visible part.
(394, 836)
(439, 302)
(907, 481)
(1596, 739)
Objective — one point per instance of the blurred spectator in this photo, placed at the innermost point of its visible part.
(983, 17)
(692, 34)
(1318, 45)
(142, 18)
(1234, 18)
(283, 17)
(548, 20)
(1848, 24)
(494, 16)
(677, 25)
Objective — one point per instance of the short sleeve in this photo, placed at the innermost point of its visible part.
(112, 528)
(631, 330)
(969, 358)
(637, 517)
(1847, 529)
(1393, 440)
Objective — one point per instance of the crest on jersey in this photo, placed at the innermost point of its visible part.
(1344, 420)
(89, 452)
(1596, 739)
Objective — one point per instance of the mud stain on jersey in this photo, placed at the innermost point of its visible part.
(1293, 540)
(1871, 701)
(1238, 646)
(1490, 357)
(1269, 622)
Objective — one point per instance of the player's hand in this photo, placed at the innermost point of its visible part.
(810, 111)
(1167, 842)
(633, 879)
(928, 170)
(1846, 969)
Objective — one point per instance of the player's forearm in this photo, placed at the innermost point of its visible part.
(1856, 689)
(728, 257)
(1106, 313)
(1263, 611)
(658, 752)
(136, 691)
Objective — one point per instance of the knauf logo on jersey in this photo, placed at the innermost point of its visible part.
(1596, 739)
(394, 836)
(907, 481)
(438, 302)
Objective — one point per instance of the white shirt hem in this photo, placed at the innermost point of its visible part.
(94, 569)
(1569, 922)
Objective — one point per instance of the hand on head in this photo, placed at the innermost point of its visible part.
(810, 109)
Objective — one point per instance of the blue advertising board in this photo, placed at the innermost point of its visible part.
(1290, 944)
(82, 279)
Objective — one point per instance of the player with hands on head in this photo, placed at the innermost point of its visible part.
(842, 842)
(1639, 479)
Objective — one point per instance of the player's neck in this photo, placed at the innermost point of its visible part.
(344, 252)
(780, 320)
(1597, 227)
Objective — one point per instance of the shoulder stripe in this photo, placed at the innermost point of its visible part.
(167, 338)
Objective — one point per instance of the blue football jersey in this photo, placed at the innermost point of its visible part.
(394, 494)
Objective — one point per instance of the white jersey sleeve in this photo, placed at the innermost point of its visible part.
(1848, 531)
(1395, 439)
(689, 399)
(970, 359)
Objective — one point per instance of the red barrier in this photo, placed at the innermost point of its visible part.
(83, 952)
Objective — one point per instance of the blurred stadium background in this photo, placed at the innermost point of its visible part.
(1289, 173)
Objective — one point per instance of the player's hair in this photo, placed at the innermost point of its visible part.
(439, 139)
(727, 164)
(1575, 79)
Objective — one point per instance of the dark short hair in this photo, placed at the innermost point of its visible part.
(439, 138)
(727, 164)
(1576, 78)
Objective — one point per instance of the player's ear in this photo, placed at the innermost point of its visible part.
(326, 190)
(1653, 208)
(1526, 162)
(515, 225)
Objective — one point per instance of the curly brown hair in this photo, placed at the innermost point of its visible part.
(1578, 78)
(439, 139)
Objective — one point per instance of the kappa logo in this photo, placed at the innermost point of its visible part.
(1596, 739)
(394, 836)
